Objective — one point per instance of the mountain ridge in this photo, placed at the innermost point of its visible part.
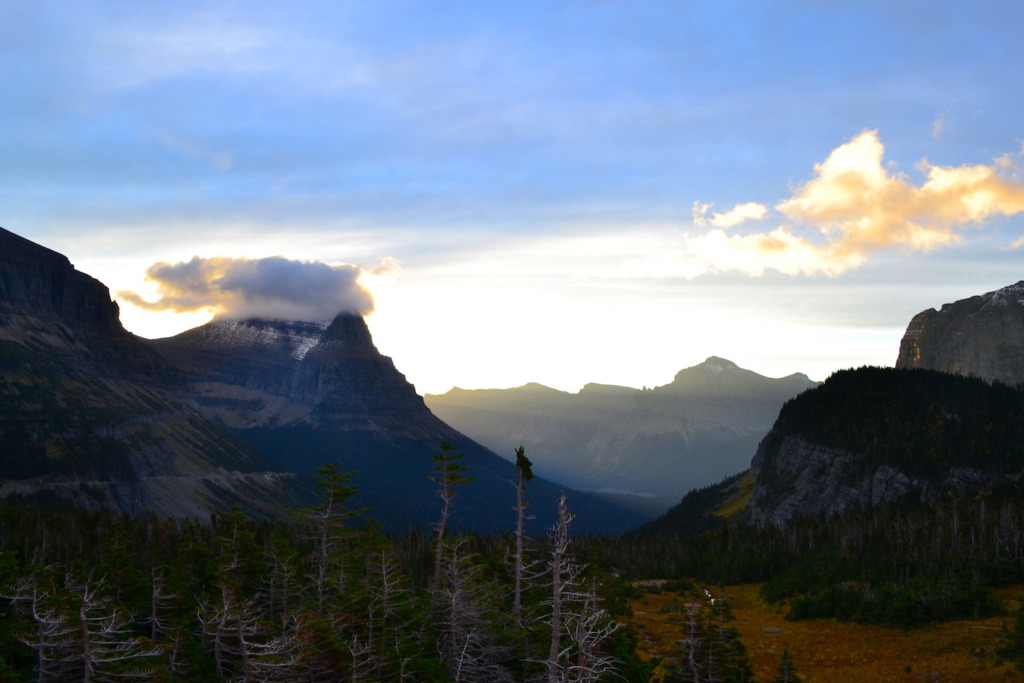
(645, 441)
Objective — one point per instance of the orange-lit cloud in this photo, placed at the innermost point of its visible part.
(851, 208)
(273, 287)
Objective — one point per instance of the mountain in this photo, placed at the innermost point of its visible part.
(311, 393)
(982, 336)
(225, 414)
(654, 444)
(90, 415)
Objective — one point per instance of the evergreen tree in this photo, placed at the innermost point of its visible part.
(525, 469)
(450, 473)
(787, 670)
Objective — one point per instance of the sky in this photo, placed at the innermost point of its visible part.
(534, 191)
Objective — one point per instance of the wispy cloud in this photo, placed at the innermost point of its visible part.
(852, 207)
(741, 213)
(273, 287)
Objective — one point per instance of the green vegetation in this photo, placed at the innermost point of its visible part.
(321, 596)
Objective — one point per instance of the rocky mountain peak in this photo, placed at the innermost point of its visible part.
(255, 373)
(982, 336)
(347, 336)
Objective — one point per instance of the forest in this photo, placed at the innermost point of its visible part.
(324, 595)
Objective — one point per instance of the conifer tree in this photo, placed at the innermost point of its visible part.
(328, 522)
(786, 672)
(525, 469)
(450, 473)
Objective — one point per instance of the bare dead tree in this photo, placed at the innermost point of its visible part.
(466, 640)
(105, 642)
(159, 602)
(560, 569)
(244, 647)
(48, 631)
(579, 626)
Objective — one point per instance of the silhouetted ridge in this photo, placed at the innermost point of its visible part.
(43, 281)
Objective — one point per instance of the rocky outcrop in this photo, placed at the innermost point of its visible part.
(982, 336)
(809, 479)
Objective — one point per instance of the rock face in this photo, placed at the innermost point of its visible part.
(90, 415)
(982, 336)
(659, 443)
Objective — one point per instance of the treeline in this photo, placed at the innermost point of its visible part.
(322, 596)
(918, 421)
(904, 564)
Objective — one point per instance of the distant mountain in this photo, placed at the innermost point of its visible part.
(655, 444)
(307, 394)
(982, 336)
(90, 415)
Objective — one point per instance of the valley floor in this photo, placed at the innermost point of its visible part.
(829, 651)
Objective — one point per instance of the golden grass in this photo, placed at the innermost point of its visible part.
(737, 502)
(828, 651)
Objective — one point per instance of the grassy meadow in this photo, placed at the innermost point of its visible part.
(829, 651)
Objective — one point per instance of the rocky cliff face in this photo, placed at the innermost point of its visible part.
(90, 415)
(659, 443)
(804, 478)
(982, 336)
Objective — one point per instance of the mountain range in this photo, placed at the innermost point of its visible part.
(646, 447)
(230, 413)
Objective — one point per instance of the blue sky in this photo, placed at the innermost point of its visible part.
(559, 192)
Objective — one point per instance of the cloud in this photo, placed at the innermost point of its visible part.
(851, 208)
(273, 287)
(748, 211)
